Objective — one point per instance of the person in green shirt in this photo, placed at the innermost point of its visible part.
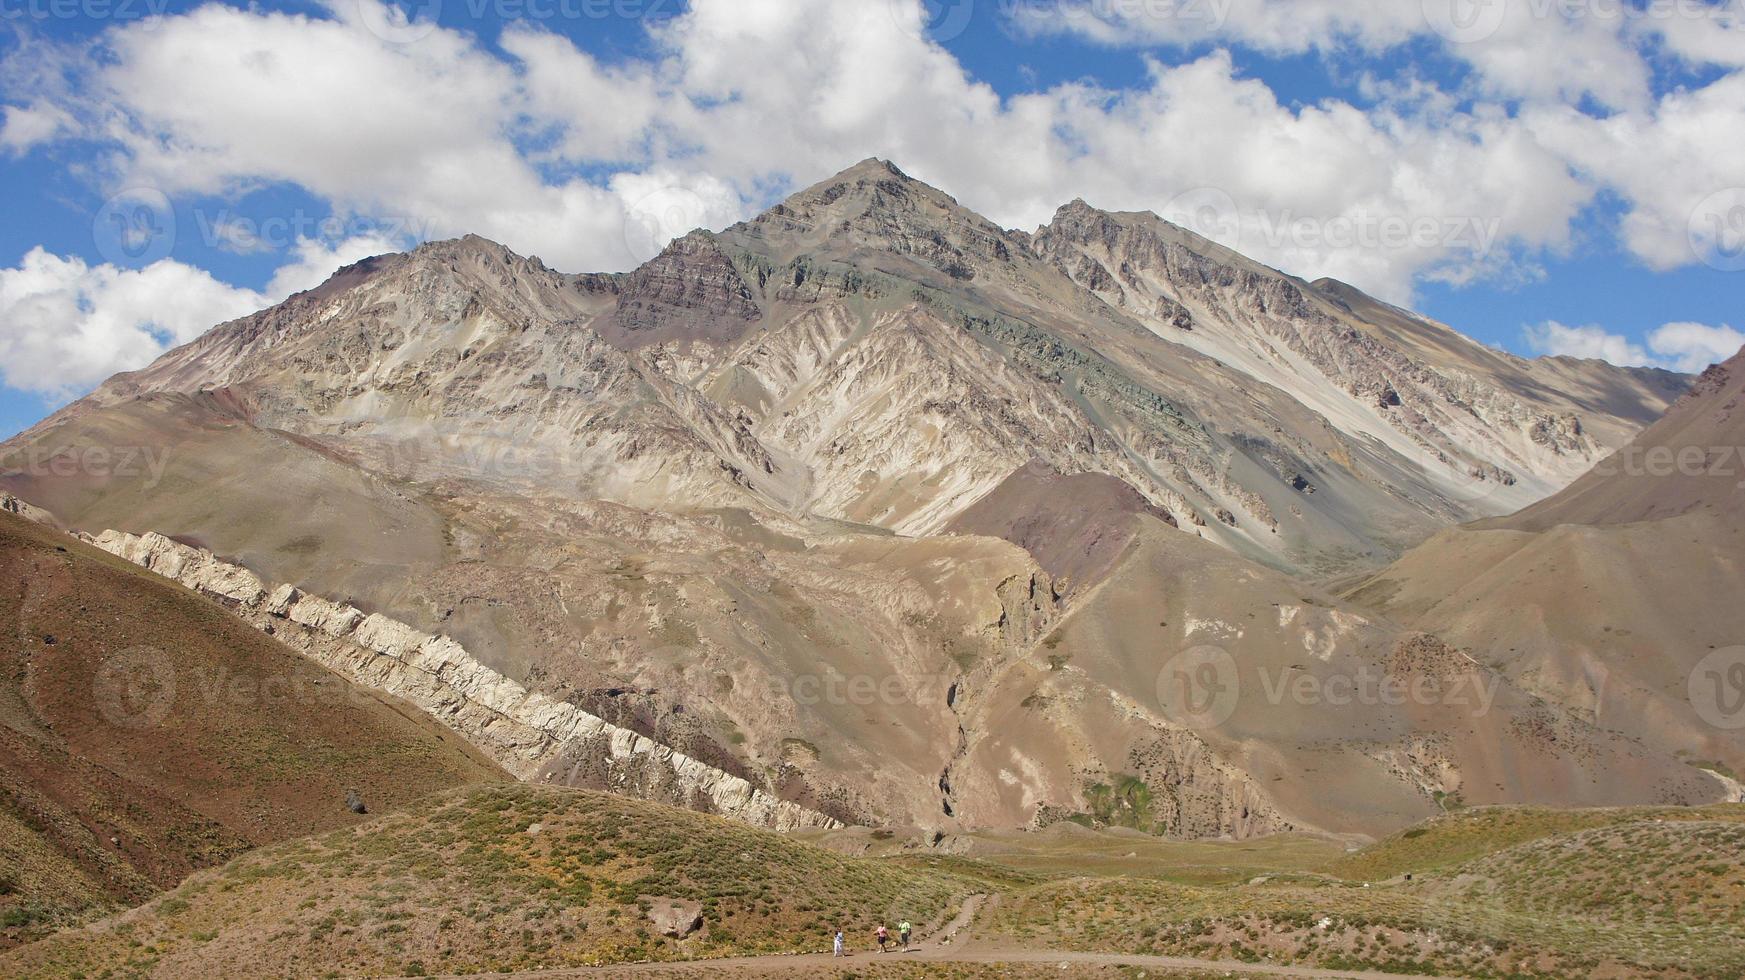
(903, 932)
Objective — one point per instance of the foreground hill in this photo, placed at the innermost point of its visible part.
(505, 879)
(1618, 597)
(146, 733)
(1493, 892)
(788, 500)
(518, 879)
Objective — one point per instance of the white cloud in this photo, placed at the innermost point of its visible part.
(1692, 347)
(22, 127)
(1677, 166)
(1715, 36)
(65, 326)
(1516, 49)
(1591, 341)
(1686, 347)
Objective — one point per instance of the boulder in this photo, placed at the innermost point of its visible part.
(674, 917)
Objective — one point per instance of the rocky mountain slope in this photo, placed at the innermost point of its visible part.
(1617, 597)
(872, 504)
(145, 734)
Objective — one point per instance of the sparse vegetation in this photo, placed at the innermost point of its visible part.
(1506, 892)
(518, 878)
(508, 878)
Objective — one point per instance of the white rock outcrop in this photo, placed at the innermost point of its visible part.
(532, 736)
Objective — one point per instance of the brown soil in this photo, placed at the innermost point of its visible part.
(146, 733)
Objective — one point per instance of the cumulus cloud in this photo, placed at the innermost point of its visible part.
(66, 325)
(1515, 49)
(1589, 342)
(1692, 347)
(744, 100)
(591, 165)
(23, 127)
(1678, 166)
(1687, 347)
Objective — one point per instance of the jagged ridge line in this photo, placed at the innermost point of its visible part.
(457, 684)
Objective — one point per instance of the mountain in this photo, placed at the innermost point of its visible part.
(145, 733)
(1617, 597)
(893, 514)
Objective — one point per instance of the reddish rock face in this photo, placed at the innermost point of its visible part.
(1076, 527)
(691, 291)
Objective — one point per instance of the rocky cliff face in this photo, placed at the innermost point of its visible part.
(528, 734)
(1474, 440)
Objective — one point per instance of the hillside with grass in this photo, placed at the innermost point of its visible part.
(519, 878)
(506, 878)
(1470, 834)
(145, 732)
(1510, 892)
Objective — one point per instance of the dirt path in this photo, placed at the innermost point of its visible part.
(955, 943)
(821, 962)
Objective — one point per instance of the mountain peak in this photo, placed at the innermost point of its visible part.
(874, 207)
(863, 184)
(873, 166)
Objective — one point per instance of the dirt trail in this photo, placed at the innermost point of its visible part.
(952, 944)
(820, 962)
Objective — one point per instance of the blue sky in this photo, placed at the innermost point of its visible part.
(1578, 184)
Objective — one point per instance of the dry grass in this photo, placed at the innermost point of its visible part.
(509, 878)
(1503, 893)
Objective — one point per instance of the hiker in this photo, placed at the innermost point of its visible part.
(903, 932)
(883, 936)
(838, 949)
